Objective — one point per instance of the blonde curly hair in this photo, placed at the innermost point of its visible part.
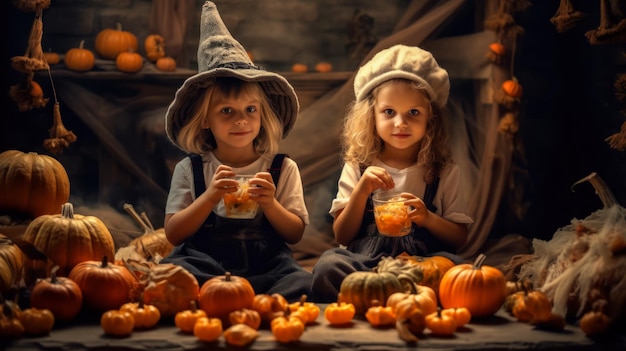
(362, 144)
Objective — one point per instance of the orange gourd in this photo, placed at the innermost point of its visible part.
(67, 239)
(461, 315)
(208, 329)
(186, 319)
(166, 64)
(79, 59)
(240, 335)
(117, 323)
(11, 260)
(497, 48)
(62, 296)
(111, 42)
(441, 324)
(129, 62)
(223, 294)
(532, 306)
(154, 45)
(339, 313)
(36, 321)
(595, 322)
(269, 306)
(512, 88)
(479, 288)
(146, 316)
(35, 89)
(287, 329)
(32, 184)
(10, 326)
(245, 316)
(380, 316)
(308, 310)
(299, 68)
(426, 271)
(105, 286)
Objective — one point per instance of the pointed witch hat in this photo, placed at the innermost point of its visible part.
(220, 55)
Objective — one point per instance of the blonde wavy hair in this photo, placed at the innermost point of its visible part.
(194, 139)
(362, 144)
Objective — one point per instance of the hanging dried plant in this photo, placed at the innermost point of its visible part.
(612, 27)
(509, 123)
(504, 24)
(60, 137)
(33, 59)
(515, 5)
(620, 88)
(31, 5)
(27, 94)
(566, 16)
(617, 141)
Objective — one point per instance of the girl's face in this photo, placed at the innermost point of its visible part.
(235, 121)
(401, 114)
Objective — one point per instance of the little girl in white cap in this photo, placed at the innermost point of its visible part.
(230, 118)
(394, 138)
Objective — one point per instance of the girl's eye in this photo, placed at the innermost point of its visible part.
(251, 109)
(414, 112)
(227, 110)
(388, 112)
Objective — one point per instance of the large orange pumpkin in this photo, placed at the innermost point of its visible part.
(223, 294)
(11, 259)
(105, 286)
(478, 287)
(110, 42)
(67, 239)
(32, 184)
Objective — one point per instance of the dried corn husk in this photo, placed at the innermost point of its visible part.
(584, 261)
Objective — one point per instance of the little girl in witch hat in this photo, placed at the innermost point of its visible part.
(230, 118)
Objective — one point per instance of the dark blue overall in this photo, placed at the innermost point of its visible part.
(365, 251)
(248, 248)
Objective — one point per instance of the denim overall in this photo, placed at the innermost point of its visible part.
(244, 247)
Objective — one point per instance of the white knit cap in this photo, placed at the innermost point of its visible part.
(220, 55)
(408, 62)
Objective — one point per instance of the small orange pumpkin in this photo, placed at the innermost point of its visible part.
(166, 64)
(270, 306)
(440, 324)
(111, 42)
(117, 323)
(240, 335)
(223, 294)
(208, 329)
(146, 316)
(154, 45)
(497, 48)
(324, 67)
(129, 62)
(299, 68)
(11, 260)
(512, 88)
(287, 329)
(52, 58)
(37, 321)
(380, 316)
(79, 59)
(339, 313)
(186, 319)
(245, 316)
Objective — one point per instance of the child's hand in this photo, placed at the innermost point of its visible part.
(418, 212)
(263, 188)
(222, 183)
(375, 178)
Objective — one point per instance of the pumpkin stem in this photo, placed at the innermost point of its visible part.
(602, 190)
(479, 261)
(105, 261)
(53, 274)
(227, 276)
(193, 306)
(303, 299)
(67, 210)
